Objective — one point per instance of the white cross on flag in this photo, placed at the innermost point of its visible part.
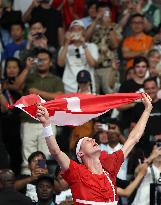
(75, 109)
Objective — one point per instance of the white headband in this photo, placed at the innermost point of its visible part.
(78, 148)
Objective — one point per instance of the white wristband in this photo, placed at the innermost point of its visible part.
(47, 131)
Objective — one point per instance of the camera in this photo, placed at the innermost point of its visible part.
(37, 61)
(38, 35)
(76, 36)
(106, 13)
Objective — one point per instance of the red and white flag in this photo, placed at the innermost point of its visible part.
(75, 109)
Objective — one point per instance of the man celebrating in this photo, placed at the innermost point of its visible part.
(93, 181)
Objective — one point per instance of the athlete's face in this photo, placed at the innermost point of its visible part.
(88, 147)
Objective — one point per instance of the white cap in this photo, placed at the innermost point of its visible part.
(78, 148)
(77, 23)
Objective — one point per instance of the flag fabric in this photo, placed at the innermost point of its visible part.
(75, 109)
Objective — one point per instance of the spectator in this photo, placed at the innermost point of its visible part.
(42, 11)
(134, 85)
(157, 41)
(70, 9)
(36, 40)
(64, 194)
(8, 16)
(152, 175)
(145, 7)
(27, 183)
(8, 194)
(138, 43)
(77, 55)
(154, 58)
(44, 190)
(11, 118)
(42, 83)
(84, 86)
(153, 128)
(114, 138)
(107, 36)
(127, 192)
(151, 12)
(92, 13)
(17, 34)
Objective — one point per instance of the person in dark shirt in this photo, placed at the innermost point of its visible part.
(45, 189)
(18, 43)
(11, 118)
(133, 85)
(8, 194)
(51, 19)
(153, 128)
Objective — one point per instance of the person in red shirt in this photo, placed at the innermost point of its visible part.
(93, 181)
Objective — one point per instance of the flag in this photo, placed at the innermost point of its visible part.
(75, 109)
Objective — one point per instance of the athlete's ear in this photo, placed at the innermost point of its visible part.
(80, 154)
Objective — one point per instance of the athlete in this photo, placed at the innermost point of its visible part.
(93, 179)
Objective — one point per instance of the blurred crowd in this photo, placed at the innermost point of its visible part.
(55, 47)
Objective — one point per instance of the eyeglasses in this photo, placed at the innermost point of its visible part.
(77, 53)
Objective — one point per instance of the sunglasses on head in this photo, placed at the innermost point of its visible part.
(77, 53)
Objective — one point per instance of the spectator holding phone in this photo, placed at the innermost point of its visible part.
(153, 128)
(42, 11)
(107, 36)
(153, 173)
(76, 55)
(37, 166)
(41, 82)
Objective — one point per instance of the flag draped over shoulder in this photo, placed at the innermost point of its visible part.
(75, 109)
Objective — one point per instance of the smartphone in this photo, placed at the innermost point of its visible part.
(106, 13)
(103, 127)
(142, 157)
(42, 163)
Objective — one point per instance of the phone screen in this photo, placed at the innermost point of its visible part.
(42, 163)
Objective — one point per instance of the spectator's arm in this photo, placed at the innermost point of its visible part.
(62, 159)
(130, 54)
(92, 27)
(63, 52)
(60, 36)
(62, 56)
(20, 80)
(135, 183)
(115, 39)
(44, 94)
(124, 20)
(27, 15)
(91, 61)
(90, 30)
(21, 183)
(139, 128)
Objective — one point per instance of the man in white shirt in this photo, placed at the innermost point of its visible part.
(77, 55)
(113, 146)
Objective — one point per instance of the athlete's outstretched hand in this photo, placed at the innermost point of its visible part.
(147, 102)
(43, 115)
